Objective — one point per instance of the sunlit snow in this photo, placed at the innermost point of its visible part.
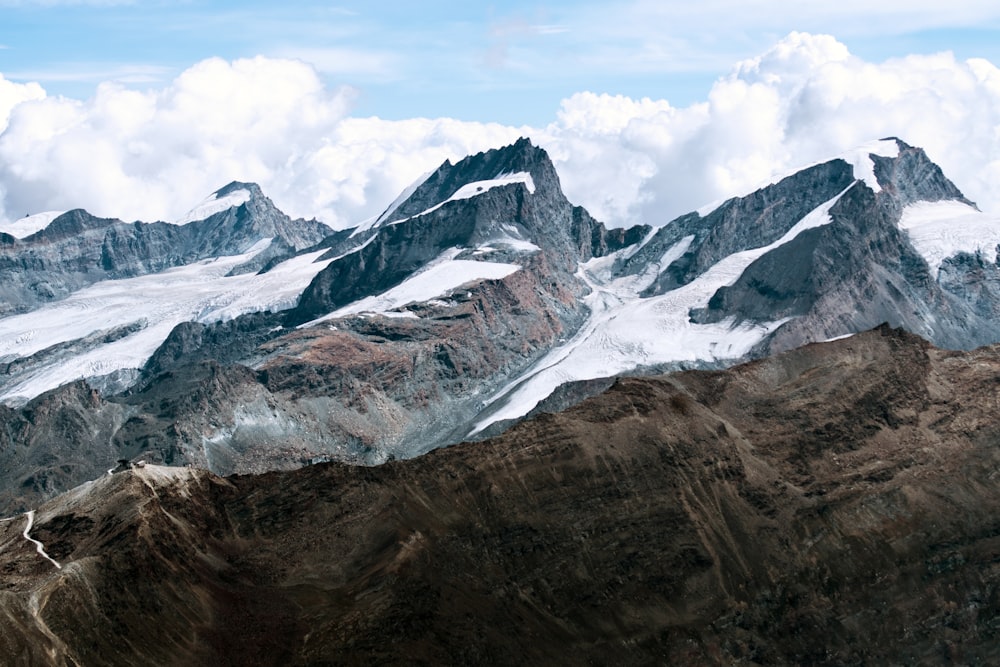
(859, 158)
(864, 166)
(625, 331)
(403, 196)
(214, 204)
(477, 188)
(437, 278)
(198, 292)
(941, 229)
(29, 224)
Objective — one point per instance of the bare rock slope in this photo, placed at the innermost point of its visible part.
(835, 504)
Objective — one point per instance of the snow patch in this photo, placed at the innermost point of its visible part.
(197, 292)
(214, 204)
(506, 243)
(864, 166)
(942, 229)
(436, 279)
(477, 188)
(30, 224)
(624, 331)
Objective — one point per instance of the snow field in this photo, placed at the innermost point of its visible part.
(30, 224)
(625, 331)
(437, 278)
(477, 188)
(941, 229)
(198, 292)
(214, 204)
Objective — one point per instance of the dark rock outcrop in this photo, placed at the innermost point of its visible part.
(78, 249)
(861, 270)
(832, 505)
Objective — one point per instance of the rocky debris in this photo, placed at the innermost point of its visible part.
(834, 505)
(54, 443)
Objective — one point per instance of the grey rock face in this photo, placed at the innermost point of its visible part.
(740, 224)
(59, 440)
(259, 393)
(974, 281)
(861, 270)
(420, 229)
(911, 177)
(78, 249)
(53, 262)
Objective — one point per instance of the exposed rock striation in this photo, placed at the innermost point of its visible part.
(831, 505)
(78, 249)
(861, 269)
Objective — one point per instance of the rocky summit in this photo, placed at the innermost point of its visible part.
(835, 504)
(240, 341)
(483, 428)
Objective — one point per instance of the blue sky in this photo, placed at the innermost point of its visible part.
(649, 108)
(510, 62)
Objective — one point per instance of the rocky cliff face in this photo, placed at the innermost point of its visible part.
(368, 386)
(256, 393)
(834, 504)
(472, 300)
(861, 269)
(468, 206)
(78, 249)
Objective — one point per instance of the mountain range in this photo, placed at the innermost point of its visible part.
(239, 340)
(484, 428)
(834, 504)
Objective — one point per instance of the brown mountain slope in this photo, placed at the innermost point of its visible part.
(837, 504)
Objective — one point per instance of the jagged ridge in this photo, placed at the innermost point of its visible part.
(833, 504)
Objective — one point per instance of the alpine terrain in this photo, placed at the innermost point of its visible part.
(834, 504)
(238, 340)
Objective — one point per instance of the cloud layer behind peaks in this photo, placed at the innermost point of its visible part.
(153, 154)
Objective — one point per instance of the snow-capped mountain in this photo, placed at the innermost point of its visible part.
(86, 297)
(249, 342)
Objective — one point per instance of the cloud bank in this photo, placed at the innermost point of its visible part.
(153, 154)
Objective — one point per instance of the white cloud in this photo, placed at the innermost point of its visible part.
(804, 100)
(151, 155)
(12, 94)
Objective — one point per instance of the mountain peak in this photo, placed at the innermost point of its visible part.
(236, 186)
(522, 158)
(911, 176)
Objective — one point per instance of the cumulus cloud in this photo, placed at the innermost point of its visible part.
(806, 99)
(13, 94)
(153, 154)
